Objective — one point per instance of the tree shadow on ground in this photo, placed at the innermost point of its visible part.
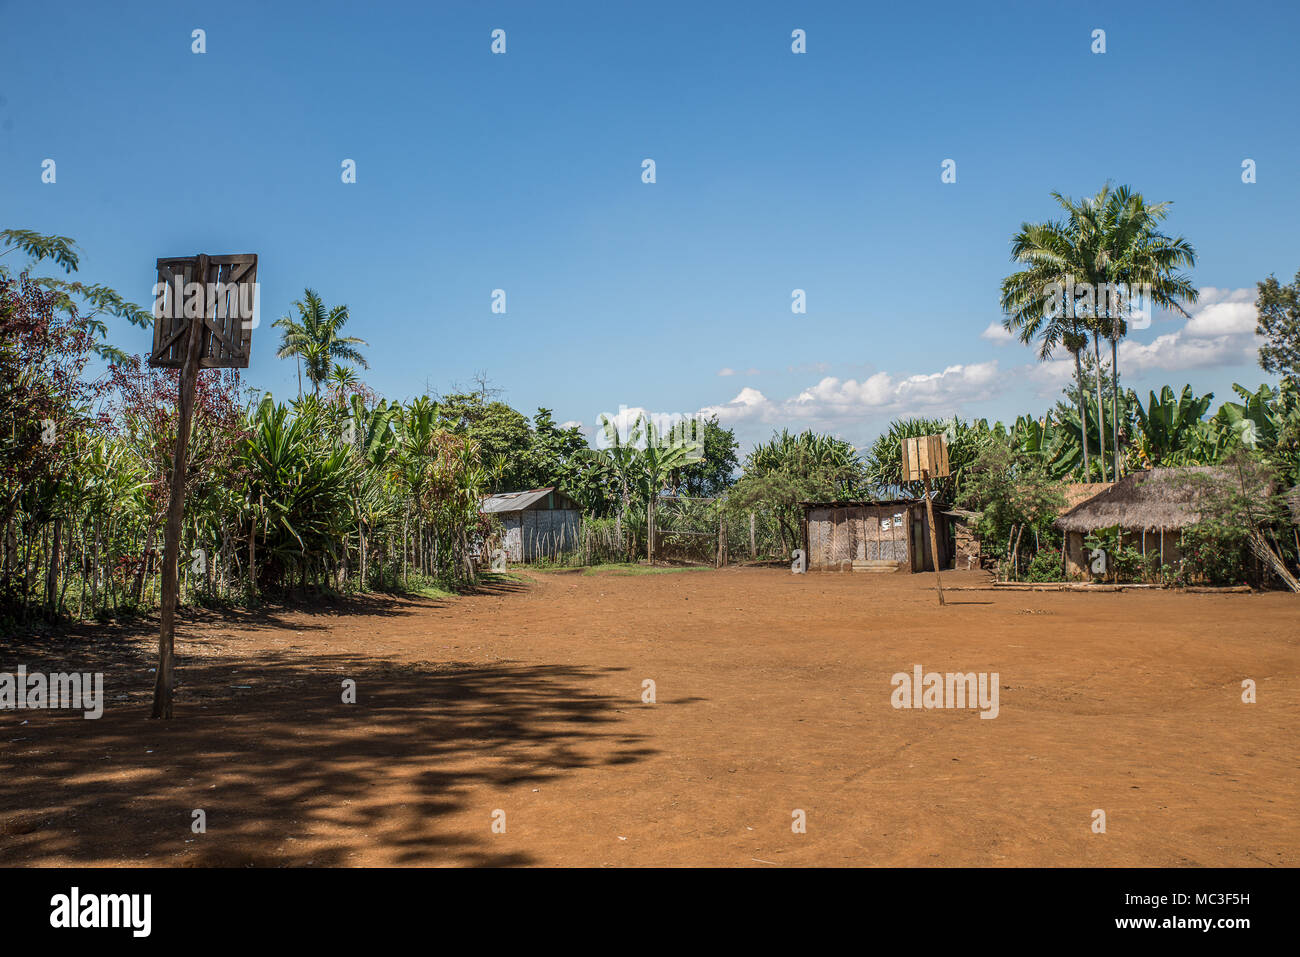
(288, 774)
(316, 614)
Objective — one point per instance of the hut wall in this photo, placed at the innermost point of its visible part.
(965, 546)
(513, 544)
(1078, 563)
(837, 537)
(1076, 557)
(922, 558)
(544, 532)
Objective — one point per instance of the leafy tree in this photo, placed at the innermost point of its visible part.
(1012, 493)
(1168, 427)
(551, 456)
(715, 472)
(789, 469)
(1279, 324)
(1236, 504)
(502, 433)
(43, 412)
(82, 303)
(884, 460)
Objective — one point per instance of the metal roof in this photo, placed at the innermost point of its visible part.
(865, 503)
(514, 501)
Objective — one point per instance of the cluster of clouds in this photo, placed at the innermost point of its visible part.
(833, 400)
(1220, 332)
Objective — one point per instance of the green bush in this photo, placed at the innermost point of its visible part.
(1215, 553)
(1124, 562)
(1046, 567)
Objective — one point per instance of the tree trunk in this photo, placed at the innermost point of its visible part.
(1101, 406)
(94, 570)
(52, 571)
(361, 554)
(1114, 409)
(650, 530)
(1083, 414)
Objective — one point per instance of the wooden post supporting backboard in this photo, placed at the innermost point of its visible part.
(934, 534)
(188, 337)
(163, 683)
(925, 456)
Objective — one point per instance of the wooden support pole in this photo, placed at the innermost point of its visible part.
(164, 681)
(934, 534)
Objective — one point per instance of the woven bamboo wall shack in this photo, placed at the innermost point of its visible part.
(838, 534)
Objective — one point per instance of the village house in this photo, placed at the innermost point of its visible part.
(539, 522)
(873, 536)
(1149, 508)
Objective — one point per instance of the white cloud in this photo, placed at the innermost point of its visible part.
(1179, 350)
(749, 404)
(1223, 319)
(834, 400)
(997, 334)
(1221, 332)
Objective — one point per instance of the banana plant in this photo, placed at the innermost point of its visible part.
(1168, 428)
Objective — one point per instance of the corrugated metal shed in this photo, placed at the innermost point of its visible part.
(537, 523)
(515, 501)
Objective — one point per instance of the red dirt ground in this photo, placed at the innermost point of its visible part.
(773, 694)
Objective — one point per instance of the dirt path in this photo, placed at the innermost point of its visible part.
(772, 694)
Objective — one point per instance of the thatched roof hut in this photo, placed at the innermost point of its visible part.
(1293, 502)
(1075, 493)
(1159, 499)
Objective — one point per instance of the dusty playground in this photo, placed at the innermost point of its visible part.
(772, 694)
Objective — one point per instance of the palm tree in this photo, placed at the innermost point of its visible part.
(342, 379)
(314, 338)
(1106, 240)
(1137, 254)
(1027, 301)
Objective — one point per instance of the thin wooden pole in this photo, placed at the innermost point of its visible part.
(934, 534)
(164, 681)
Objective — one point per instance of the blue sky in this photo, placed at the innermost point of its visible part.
(775, 171)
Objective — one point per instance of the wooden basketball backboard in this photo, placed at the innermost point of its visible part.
(220, 291)
(925, 453)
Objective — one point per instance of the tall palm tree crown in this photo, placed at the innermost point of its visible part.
(314, 337)
(1108, 241)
